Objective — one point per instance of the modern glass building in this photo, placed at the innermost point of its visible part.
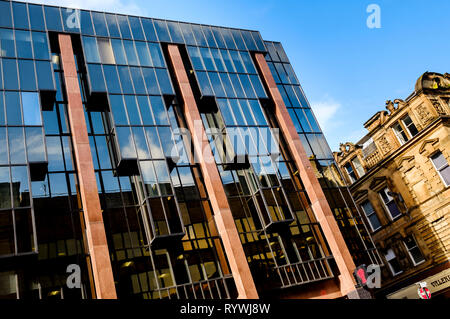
(159, 159)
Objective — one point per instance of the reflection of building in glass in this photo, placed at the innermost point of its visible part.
(151, 152)
(399, 175)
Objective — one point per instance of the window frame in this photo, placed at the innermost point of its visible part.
(398, 134)
(409, 250)
(438, 170)
(367, 216)
(394, 274)
(386, 204)
(349, 164)
(402, 120)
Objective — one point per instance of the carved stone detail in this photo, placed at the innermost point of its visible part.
(423, 113)
(384, 144)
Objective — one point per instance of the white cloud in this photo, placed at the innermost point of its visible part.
(118, 6)
(325, 111)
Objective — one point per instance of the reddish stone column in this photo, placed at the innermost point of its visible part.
(315, 193)
(222, 212)
(95, 230)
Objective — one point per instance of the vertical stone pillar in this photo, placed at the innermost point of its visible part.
(315, 193)
(222, 212)
(95, 231)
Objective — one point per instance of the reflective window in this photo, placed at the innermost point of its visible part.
(96, 78)
(86, 23)
(440, 163)
(159, 110)
(124, 26)
(13, 109)
(150, 81)
(7, 43)
(31, 108)
(131, 52)
(118, 109)
(35, 144)
(149, 29)
(143, 54)
(125, 80)
(36, 17)
(119, 51)
(16, 145)
(99, 24)
(164, 81)
(3, 150)
(40, 46)
(91, 50)
(5, 14)
(157, 57)
(21, 186)
(105, 51)
(162, 31)
(20, 15)
(112, 79)
(138, 81)
(175, 32)
(136, 28)
(126, 143)
(113, 27)
(132, 110)
(10, 74)
(53, 18)
(26, 75)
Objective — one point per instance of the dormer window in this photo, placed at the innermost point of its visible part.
(409, 124)
(405, 129)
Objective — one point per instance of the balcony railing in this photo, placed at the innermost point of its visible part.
(305, 272)
(372, 159)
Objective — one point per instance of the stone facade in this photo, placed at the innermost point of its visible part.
(398, 155)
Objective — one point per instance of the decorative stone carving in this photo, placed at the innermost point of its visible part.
(400, 103)
(438, 107)
(384, 144)
(390, 106)
(423, 113)
(433, 81)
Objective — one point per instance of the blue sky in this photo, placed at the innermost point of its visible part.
(347, 70)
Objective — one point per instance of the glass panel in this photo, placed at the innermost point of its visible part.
(2, 110)
(150, 81)
(16, 145)
(99, 24)
(53, 18)
(125, 80)
(126, 144)
(35, 144)
(36, 17)
(131, 52)
(23, 44)
(203, 82)
(175, 32)
(136, 28)
(124, 26)
(157, 57)
(161, 30)
(112, 79)
(96, 78)
(132, 110)
(40, 46)
(141, 144)
(112, 25)
(194, 54)
(4, 149)
(149, 30)
(144, 107)
(26, 75)
(138, 81)
(143, 54)
(13, 109)
(5, 192)
(164, 81)
(159, 110)
(149, 178)
(31, 108)
(86, 23)
(105, 50)
(119, 51)
(7, 43)
(5, 14)
(153, 142)
(163, 177)
(91, 50)
(118, 110)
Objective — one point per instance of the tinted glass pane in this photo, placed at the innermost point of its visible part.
(203, 82)
(118, 109)
(125, 80)
(35, 144)
(86, 23)
(5, 14)
(131, 52)
(198, 34)
(91, 50)
(144, 107)
(7, 43)
(13, 110)
(126, 143)
(238, 39)
(112, 79)
(96, 78)
(31, 108)
(16, 145)
(150, 81)
(149, 178)
(23, 44)
(124, 26)
(53, 18)
(149, 30)
(99, 24)
(112, 25)
(136, 28)
(40, 46)
(3, 150)
(141, 144)
(2, 110)
(157, 57)
(143, 54)
(175, 32)
(138, 81)
(36, 17)
(164, 81)
(153, 142)
(71, 20)
(161, 30)
(20, 15)
(119, 52)
(27, 76)
(105, 51)
(159, 110)
(21, 187)
(132, 110)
